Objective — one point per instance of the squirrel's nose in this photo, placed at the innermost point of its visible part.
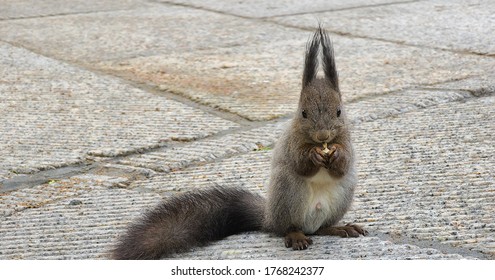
(323, 135)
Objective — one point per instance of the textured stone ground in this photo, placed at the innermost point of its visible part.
(110, 106)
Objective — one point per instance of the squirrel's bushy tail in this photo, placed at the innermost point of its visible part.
(190, 220)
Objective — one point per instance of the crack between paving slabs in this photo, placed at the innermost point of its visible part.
(475, 93)
(147, 87)
(65, 14)
(396, 42)
(345, 34)
(185, 5)
(342, 9)
(96, 162)
(44, 176)
(268, 19)
(184, 99)
(184, 144)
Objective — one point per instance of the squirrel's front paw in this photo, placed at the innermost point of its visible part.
(335, 156)
(318, 157)
(338, 161)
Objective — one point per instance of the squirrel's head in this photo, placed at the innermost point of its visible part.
(320, 115)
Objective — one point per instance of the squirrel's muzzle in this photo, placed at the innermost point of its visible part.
(323, 136)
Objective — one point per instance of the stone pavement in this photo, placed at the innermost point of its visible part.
(109, 106)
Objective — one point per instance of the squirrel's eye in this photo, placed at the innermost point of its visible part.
(338, 112)
(304, 114)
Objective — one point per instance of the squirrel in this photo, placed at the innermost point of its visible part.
(311, 186)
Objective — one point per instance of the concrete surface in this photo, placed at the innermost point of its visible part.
(463, 26)
(109, 106)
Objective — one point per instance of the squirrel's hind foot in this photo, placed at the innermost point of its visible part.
(297, 240)
(349, 230)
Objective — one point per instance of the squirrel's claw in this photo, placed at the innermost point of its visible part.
(297, 240)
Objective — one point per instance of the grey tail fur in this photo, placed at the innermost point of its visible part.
(190, 220)
(328, 60)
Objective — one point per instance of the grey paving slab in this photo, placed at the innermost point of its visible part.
(259, 8)
(428, 174)
(478, 85)
(263, 81)
(396, 103)
(83, 226)
(54, 114)
(53, 191)
(12, 9)
(454, 25)
(143, 31)
(256, 246)
(251, 170)
(180, 155)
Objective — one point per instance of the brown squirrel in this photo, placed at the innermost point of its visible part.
(311, 186)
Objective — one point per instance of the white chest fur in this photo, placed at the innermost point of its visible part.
(326, 194)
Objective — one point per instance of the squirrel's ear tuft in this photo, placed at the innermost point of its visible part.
(311, 60)
(329, 60)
